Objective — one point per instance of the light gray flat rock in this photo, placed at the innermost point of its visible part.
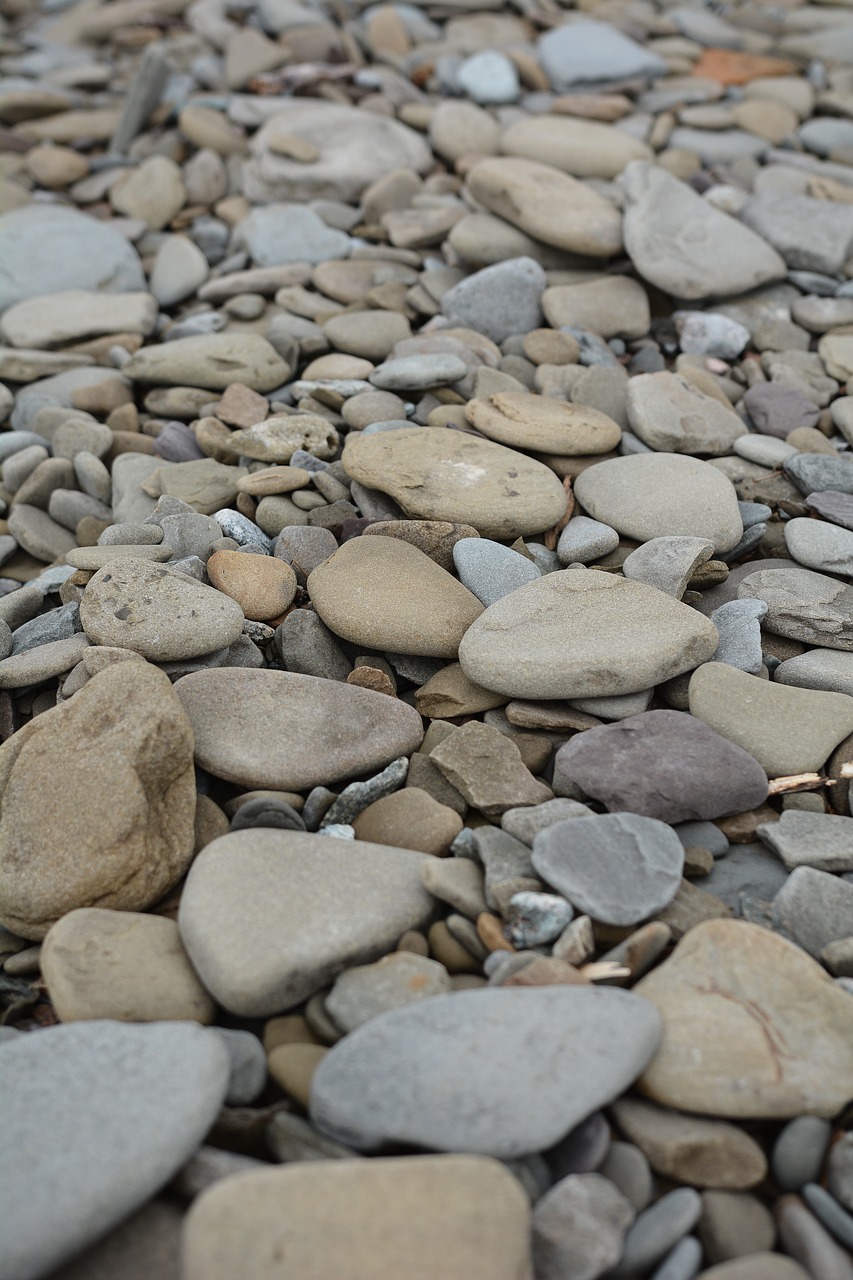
(802, 839)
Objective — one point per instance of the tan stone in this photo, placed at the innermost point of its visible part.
(123, 965)
(288, 1028)
(386, 594)
(753, 1027)
(436, 538)
(277, 479)
(409, 819)
(118, 831)
(549, 346)
(438, 474)
(450, 693)
(293, 1065)
(55, 167)
(702, 1153)
(525, 421)
(459, 1217)
(487, 768)
(263, 586)
(583, 148)
(154, 192)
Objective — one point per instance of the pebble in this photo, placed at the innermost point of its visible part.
(579, 1228)
(269, 917)
(734, 1225)
(364, 992)
(799, 1152)
(82, 1096)
(466, 1058)
(667, 563)
(489, 570)
(498, 301)
(658, 1229)
(670, 414)
(409, 819)
(536, 422)
(702, 1153)
(802, 605)
(819, 840)
(813, 908)
(617, 868)
(819, 545)
(584, 540)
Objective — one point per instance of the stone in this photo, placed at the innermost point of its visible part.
(664, 765)
(652, 495)
(419, 372)
(499, 300)
(548, 205)
(450, 693)
(734, 1224)
(840, 1171)
(364, 992)
(820, 545)
(702, 1153)
(671, 415)
(657, 1230)
(583, 148)
(160, 613)
(42, 662)
(815, 472)
(50, 247)
(585, 52)
(580, 633)
(667, 563)
(489, 570)
(409, 819)
(752, 1027)
(437, 474)
(584, 540)
(125, 728)
(153, 192)
(799, 1152)
(385, 593)
(525, 824)
(617, 868)
(148, 1242)
(502, 1071)
(179, 269)
(262, 586)
(122, 965)
(778, 410)
(787, 730)
(802, 1234)
(819, 840)
(683, 245)
(706, 333)
(757, 1266)
(811, 235)
(302, 745)
(486, 767)
(813, 908)
(827, 669)
(269, 917)
(611, 306)
(837, 507)
(81, 1096)
(739, 625)
(448, 1215)
(212, 361)
(56, 318)
(203, 484)
(579, 1228)
(278, 233)
(526, 421)
(802, 605)
(628, 1169)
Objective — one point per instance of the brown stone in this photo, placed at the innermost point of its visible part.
(292, 1066)
(731, 67)
(263, 586)
(450, 693)
(409, 819)
(240, 406)
(372, 678)
(702, 1153)
(436, 538)
(487, 768)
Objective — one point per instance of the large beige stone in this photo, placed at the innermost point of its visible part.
(212, 361)
(422, 1217)
(526, 421)
(583, 148)
(386, 594)
(438, 474)
(753, 1027)
(121, 964)
(98, 801)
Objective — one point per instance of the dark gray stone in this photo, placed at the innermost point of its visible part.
(799, 1152)
(56, 624)
(832, 505)
(308, 647)
(267, 813)
(815, 472)
(657, 1230)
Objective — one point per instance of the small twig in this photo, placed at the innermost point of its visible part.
(801, 782)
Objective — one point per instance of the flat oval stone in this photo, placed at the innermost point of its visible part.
(819, 545)
(827, 669)
(502, 1072)
(650, 495)
(753, 1027)
(582, 633)
(212, 361)
(788, 730)
(165, 616)
(270, 917)
(79, 1098)
(315, 731)
(450, 1216)
(438, 474)
(669, 413)
(803, 605)
(386, 594)
(584, 148)
(526, 421)
(665, 765)
(617, 867)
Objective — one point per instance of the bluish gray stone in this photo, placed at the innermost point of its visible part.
(274, 234)
(683, 1261)
(816, 472)
(814, 908)
(248, 1063)
(586, 52)
(78, 1099)
(525, 823)
(491, 570)
(754, 512)
(657, 1230)
(739, 625)
(500, 1071)
(56, 624)
(803, 839)
(750, 870)
(499, 300)
(828, 669)
(707, 333)
(799, 1152)
(617, 867)
(619, 707)
(704, 834)
(418, 373)
(837, 1221)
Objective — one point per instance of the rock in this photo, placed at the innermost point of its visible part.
(277, 233)
(664, 765)
(409, 819)
(819, 545)
(56, 318)
(583, 148)
(667, 563)
(611, 306)
(757, 1266)
(683, 245)
(133, 604)
(203, 483)
(491, 1071)
(702, 1153)
(386, 594)
(799, 1152)
(811, 235)
(766, 1037)
(489, 570)
(787, 730)
(122, 965)
(778, 410)
(499, 300)
(212, 361)
(617, 868)
(393, 982)
(179, 269)
(153, 192)
(148, 1242)
(124, 729)
(486, 767)
(50, 247)
(580, 633)
(81, 1097)
(671, 415)
(813, 908)
(302, 745)
(819, 840)
(548, 205)
(733, 1225)
(584, 52)
(584, 540)
(270, 917)
(42, 662)
(658, 1230)
(650, 495)
(262, 586)
(447, 1215)
(579, 1228)
(437, 474)
(525, 421)
(815, 472)
(704, 333)
(802, 605)
(827, 669)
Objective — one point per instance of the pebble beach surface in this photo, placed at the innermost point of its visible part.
(426, 640)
